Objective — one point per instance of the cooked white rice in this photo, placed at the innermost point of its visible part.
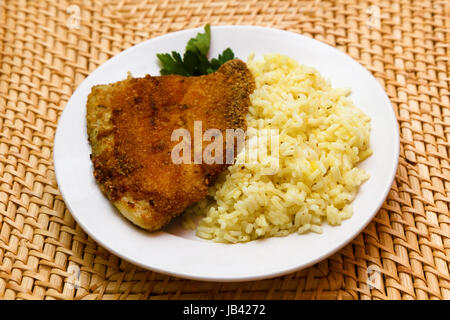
(322, 137)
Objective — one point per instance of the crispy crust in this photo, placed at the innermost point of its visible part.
(130, 124)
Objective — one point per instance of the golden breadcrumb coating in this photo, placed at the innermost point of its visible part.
(130, 124)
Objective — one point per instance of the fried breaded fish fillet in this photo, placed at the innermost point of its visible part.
(130, 124)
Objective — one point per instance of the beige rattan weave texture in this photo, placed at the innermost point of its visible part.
(44, 56)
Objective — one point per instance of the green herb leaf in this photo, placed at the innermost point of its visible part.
(201, 42)
(195, 60)
(190, 62)
(226, 55)
(172, 64)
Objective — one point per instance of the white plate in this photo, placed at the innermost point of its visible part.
(178, 252)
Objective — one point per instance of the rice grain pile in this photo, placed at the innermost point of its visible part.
(322, 137)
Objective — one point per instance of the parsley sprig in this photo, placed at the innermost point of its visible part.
(195, 61)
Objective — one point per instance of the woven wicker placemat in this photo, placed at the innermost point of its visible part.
(48, 47)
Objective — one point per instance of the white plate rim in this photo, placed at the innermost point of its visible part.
(178, 273)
